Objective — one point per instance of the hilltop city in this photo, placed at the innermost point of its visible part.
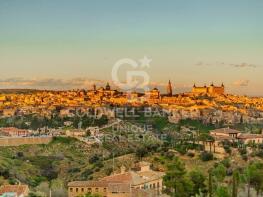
(208, 103)
(105, 142)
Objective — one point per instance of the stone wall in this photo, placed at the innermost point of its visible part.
(17, 141)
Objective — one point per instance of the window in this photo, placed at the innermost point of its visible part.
(82, 189)
(89, 190)
(158, 185)
(105, 189)
(71, 189)
(77, 189)
(154, 185)
(97, 189)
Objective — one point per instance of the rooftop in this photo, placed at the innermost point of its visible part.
(226, 131)
(18, 189)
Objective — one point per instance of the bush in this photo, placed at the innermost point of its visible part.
(94, 158)
(141, 152)
(169, 155)
(99, 164)
(63, 140)
(227, 149)
(206, 156)
(244, 157)
(259, 153)
(73, 170)
(190, 154)
(87, 173)
(20, 154)
(242, 151)
(35, 181)
(182, 149)
(108, 171)
(226, 163)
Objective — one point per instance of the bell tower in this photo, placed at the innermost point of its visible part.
(169, 89)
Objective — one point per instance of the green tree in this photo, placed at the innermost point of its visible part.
(175, 180)
(253, 177)
(210, 183)
(198, 180)
(220, 172)
(256, 176)
(222, 192)
(57, 188)
(235, 183)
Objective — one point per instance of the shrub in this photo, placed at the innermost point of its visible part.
(35, 181)
(226, 163)
(108, 171)
(73, 170)
(242, 151)
(259, 153)
(206, 156)
(227, 149)
(94, 158)
(141, 152)
(63, 140)
(182, 149)
(99, 164)
(190, 154)
(87, 173)
(169, 155)
(20, 154)
(244, 157)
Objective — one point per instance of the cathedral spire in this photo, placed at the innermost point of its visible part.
(169, 89)
(107, 86)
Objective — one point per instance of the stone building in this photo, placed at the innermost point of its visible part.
(14, 190)
(211, 89)
(142, 181)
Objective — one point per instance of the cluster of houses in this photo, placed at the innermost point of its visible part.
(214, 116)
(139, 182)
(13, 132)
(230, 135)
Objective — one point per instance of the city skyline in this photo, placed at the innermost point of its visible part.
(50, 44)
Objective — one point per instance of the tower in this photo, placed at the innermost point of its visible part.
(107, 86)
(169, 89)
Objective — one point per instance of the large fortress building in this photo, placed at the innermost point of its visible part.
(212, 89)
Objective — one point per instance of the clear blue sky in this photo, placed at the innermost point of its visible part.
(188, 41)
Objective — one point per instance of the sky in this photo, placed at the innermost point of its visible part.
(58, 44)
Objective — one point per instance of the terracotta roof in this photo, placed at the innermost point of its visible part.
(125, 177)
(119, 188)
(151, 175)
(18, 189)
(134, 178)
(143, 193)
(249, 136)
(217, 137)
(88, 184)
(226, 131)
